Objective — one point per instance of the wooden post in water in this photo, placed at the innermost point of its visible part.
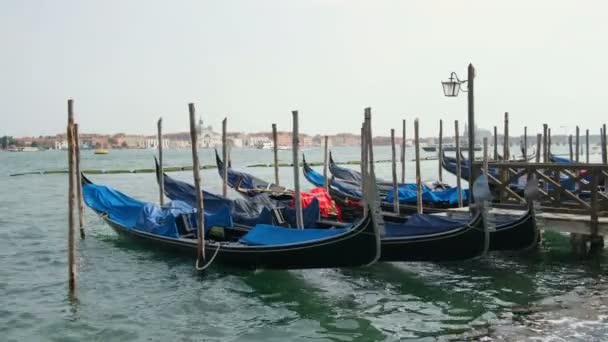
(485, 156)
(79, 182)
(440, 149)
(200, 218)
(495, 143)
(587, 146)
(570, 146)
(161, 176)
(71, 181)
(418, 177)
(394, 169)
(505, 154)
(370, 150)
(458, 163)
(403, 152)
(295, 140)
(225, 157)
(325, 166)
(549, 143)
(539, 138)
(525, 149)
(364, 163)
(275, 150)
(604, 147)
(545, 149)
(578, 143)
(506, 144)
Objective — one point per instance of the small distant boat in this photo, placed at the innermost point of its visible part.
(449, 148)
(24, 149)
(101, 151)
(264, 145)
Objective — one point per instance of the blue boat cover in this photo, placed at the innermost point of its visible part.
(407, 194)
(146, 217)
(421, 224)
(310, 214)
(249, 212)
(556, 159)
(317, 179)
(242, 211)
(263, 234)
(345, 173)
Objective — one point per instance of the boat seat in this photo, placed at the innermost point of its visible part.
(185, 228)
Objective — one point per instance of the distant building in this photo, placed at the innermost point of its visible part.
(207, 138)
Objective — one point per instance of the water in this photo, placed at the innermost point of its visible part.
(129, 293)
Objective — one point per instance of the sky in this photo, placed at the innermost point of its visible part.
(126, 63)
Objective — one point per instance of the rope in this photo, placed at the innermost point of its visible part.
(204, 267)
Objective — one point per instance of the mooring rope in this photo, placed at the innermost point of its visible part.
(204, 267)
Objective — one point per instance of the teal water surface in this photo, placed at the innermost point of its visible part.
(126, 292)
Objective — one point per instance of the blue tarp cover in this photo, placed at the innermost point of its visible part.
(556, 159)
(242, 211)
(263, 234)
(407, 194)
(147, 217)
(421, 224)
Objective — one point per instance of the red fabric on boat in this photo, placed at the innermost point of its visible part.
(327, 206)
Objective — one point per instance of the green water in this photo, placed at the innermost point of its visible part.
(129, 293)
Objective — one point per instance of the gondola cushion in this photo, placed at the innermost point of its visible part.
(263, 234)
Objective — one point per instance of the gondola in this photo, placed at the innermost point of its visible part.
(264, 246)
(509, 234)
(252, 187)
(249, 185)
(347, 196)
(354, 177)
(419, 238)
(259, 209)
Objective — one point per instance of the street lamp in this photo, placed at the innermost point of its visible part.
(451, 88)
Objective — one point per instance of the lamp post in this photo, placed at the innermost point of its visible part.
(451, 88)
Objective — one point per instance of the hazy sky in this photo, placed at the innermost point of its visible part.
(126, 63)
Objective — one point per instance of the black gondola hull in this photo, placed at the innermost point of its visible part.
(460, 244)
(358, 247)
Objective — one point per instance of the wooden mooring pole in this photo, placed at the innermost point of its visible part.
(577, 144)
(440, 151)
(570, 146)
(458, 163)
(295, 140)
(200, 218)
(394, 173)
(418, 176)
(403, 151)
(545, 140)
(325, 164)
(364, 163)
(549, 143)
(275, 150)
(225, 157)
(505, 154)
(506, 144)
(539, 138)
(587, 146)
(71, 195)
(604, 147)
(161, 175)
(495, 143)
(79, 182)
(525, 147)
